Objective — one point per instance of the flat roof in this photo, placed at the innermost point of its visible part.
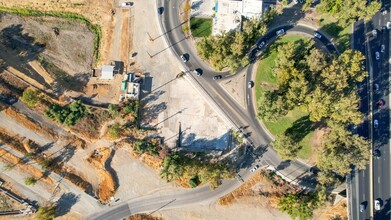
(107, 72)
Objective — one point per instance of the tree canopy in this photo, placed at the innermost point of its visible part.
(349, 11)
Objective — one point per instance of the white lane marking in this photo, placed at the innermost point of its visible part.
(363, 197)
(248, 99)
(378, 179)
(363, 174)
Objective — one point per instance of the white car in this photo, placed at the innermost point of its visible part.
(388, 25)
(377, 55)
(377, 204)
(317, 35)
(382, 48)
(280, 32)
(375, 123)
(127, 4)
(376, 87)
(261, 44)
(254, 168)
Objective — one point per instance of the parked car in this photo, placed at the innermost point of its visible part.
(317, 35)
(280, 32)
(217, 77)
(261, 44)
(198, 72)
(381, 103)
(382, 48)
(376, 153)
(377, 204)
(250, 84)
(254, 168)
(374, 33)
(127, 4)
(184, 58)
(375, 123)
(362, 207)
(388, 25)
(377, 55)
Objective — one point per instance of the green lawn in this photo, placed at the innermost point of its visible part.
(342, 34)
(201, 27)
(296, 122)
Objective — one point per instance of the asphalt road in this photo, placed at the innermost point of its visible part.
(243, 119)
(381, 135)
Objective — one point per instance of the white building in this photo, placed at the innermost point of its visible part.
(107, 72)
(229, 13)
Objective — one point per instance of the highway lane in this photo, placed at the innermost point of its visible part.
(360, 178)
(381, 136)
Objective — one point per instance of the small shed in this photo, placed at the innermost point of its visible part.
(107, 72)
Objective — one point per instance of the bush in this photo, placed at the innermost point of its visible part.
(47, 212)
(115, 131)
(194, 182)
(30, 181)
(149, 147)
(30, 97)
(67, 115)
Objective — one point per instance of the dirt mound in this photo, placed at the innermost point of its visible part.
(99, 158)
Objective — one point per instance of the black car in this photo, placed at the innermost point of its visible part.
(217, 77)
(160, 10)
(198, 72)
(376, 153)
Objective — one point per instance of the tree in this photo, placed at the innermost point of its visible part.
(295, 206)
(319, 105)
(113, 110)
(286, 147)
(271, 106)
(30, 181)
(31, 97)
(341, 149)
(345, 110)
(172, 167)
(47, 212)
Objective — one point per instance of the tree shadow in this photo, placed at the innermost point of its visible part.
(65, 203)
(150, 113)
(21, 49)
(333, 29)
(111, 170)
(300, 128)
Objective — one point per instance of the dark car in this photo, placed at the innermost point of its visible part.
(376, 153)
(381, 103)
(217, 77)
(363, 206)
(198, 72)
(160, 10)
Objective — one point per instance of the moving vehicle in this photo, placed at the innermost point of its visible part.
(254, 168)
(388, 25)
(250, 84)
(317, 35)
(377, 55)
(127, 4)
(184, 58)
(217, 77)
(362, 207)
(198, 72)
(382, 48)
(280, 32)
(377, 204)
(160, 10)
(381, 103)
(376, 153)
(375, 123)
(261, 44)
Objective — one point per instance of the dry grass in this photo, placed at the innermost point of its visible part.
(30, 124)
(332, 211)
(77, 142)
(260, 189)
(107, 186)
(143, 217)
(12, 140)
(151, 161)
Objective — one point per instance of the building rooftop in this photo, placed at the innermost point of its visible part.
(107, 72)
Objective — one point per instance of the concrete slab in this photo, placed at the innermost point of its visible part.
(202, 8)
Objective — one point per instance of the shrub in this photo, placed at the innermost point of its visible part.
(115, 131)
(30, 181)
(30, 97)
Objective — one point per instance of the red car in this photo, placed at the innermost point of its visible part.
(380, 103)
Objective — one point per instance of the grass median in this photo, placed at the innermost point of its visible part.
(201, 27)
(296, 121)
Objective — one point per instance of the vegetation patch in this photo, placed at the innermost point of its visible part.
(325, 88)
(201, 27)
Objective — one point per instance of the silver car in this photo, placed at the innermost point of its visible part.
(375, 123)
(382, 48)
(317, 35)
(261, 44)
(377, 204)
(280, 32)
(377, 55)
